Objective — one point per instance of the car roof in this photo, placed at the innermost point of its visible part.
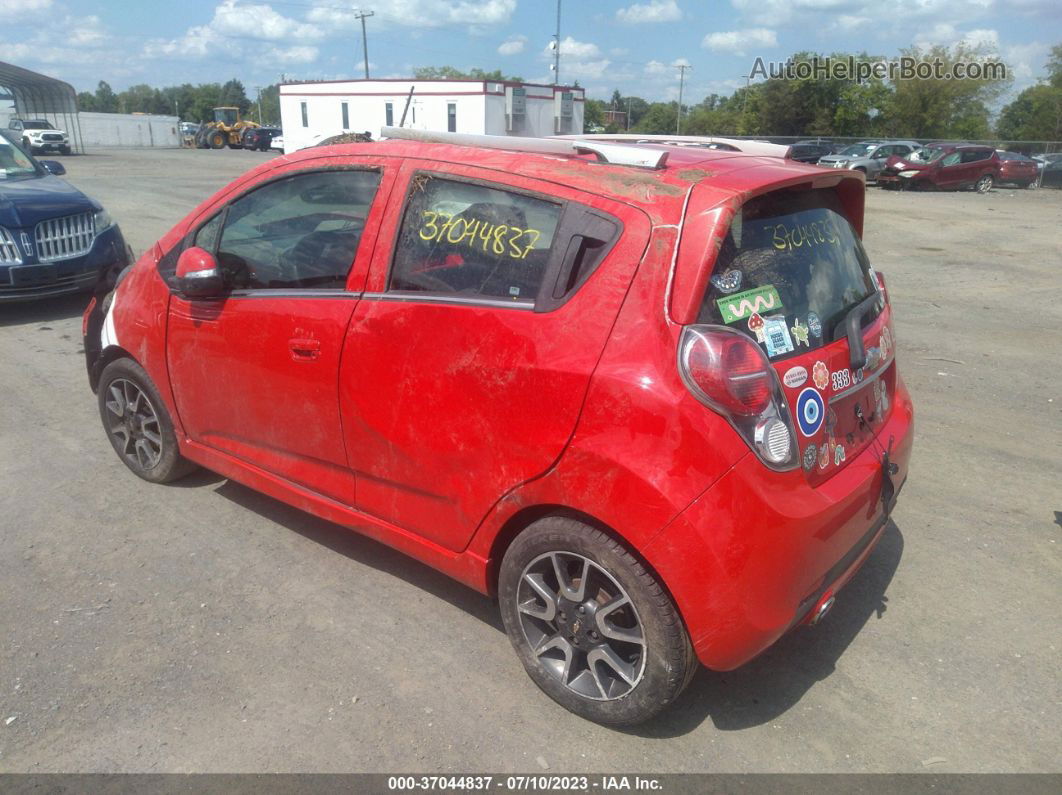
(660, 192)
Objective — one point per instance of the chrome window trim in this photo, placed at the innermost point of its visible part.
(867, 380)
(291, 292)
(525, 305)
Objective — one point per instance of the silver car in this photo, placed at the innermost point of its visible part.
(869, 156)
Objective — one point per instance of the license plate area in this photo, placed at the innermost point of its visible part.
(33, 275)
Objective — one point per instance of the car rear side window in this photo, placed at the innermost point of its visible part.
(298, 232)
(469, 239)
(789, 270)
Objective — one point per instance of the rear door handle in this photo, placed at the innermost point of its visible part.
(304, 350)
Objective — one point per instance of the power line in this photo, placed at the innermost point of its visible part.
(364, 38)
(682, 79)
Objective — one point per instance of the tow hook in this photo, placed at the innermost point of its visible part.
(820, 612)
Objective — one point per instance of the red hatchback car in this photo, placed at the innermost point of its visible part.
(646, 396)
(944, 167)
(1017, 169)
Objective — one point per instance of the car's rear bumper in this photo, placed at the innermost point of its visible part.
(34, 280)
(759, 551)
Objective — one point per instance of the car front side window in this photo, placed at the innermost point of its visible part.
(296, 232)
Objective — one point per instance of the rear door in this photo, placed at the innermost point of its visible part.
(795, 272)
(467, 360)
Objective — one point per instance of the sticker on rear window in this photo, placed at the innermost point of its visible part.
(742, 305)
(776, 336)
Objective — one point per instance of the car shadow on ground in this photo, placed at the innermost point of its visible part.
(364, 550)
(43, 310)
(774, 682)
(755, 694)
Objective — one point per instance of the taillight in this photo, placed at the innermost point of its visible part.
(881, 285)
(727, 371)
(730, 370)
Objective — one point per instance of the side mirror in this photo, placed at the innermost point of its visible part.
(197, 273)
(53, 167)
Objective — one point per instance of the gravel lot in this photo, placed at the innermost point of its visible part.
(203, 627)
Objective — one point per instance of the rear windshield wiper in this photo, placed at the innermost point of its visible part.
(853, 322)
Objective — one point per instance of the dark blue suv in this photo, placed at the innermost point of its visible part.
(54, 239)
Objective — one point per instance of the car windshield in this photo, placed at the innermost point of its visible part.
(929, 154)
(37, 125)
(790, 261)
(856, 150)
(14, 162)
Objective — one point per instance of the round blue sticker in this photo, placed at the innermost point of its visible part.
(810, 411)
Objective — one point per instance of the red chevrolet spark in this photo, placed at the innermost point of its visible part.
(646, 396)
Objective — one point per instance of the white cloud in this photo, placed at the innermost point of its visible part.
(653, 11)
(850, 22)
(476, 14)
(655, 68)
(738, 42)
(577, 50)
(300, 53)
(259, 22)
(778, 12)
(513, 45)
(981, 37)
(12, 10)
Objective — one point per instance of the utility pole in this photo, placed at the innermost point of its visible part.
(258, 90)
(364, 40)
(628, 114)
(556, 48)
(682, 79)
(745, 102)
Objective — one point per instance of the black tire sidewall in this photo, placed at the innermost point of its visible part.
(171, 465)
(669, 659)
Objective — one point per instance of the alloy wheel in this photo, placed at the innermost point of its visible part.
(581, 625)
(984, 184)
(133, 424)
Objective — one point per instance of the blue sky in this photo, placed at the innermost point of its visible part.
(633, 46)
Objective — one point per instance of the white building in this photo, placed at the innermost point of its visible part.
(312, 111)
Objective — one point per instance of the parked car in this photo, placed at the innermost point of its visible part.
(276, 144)
(1051, 176)
(810, 151)
(646, 396)
(944, 166)
(38, 135)
(259, 138)
(53, 238)
(1017, 169)
(1043, 160)
(868, 156)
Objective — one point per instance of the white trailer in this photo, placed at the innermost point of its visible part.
(310, 112)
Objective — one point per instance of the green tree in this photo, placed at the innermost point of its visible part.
(451, 73)
(233, 95)
(659, 119)
(106, 100)
(86, 101)
(938, 108)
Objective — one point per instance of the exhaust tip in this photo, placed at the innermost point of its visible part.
(822, 610)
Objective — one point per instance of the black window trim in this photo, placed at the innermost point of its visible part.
(544, 301)
(189, 238)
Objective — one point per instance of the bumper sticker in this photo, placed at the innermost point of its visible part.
(810, 411)
(810, 454)
(756, 327)
(727, 282)
(800, 333)
(742, 305)
(820, 374)
(814, 325)
(776, 335)
(795, 376)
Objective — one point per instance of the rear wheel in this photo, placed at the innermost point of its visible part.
(984, 184)
(592, 626)
(138, 426)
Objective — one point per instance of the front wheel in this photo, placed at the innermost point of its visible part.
(138, 426)
(217, 140)
(984, 184)
(591, 625)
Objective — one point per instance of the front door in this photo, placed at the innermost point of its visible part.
(469, 357)
(254, 372)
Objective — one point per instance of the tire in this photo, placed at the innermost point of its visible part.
(648, 642)
(217, 139)
(137, 424)
(984, 183)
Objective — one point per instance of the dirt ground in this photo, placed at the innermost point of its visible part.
(203, 627)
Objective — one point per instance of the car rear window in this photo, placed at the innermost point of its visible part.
(470, 239)
(789, 270)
